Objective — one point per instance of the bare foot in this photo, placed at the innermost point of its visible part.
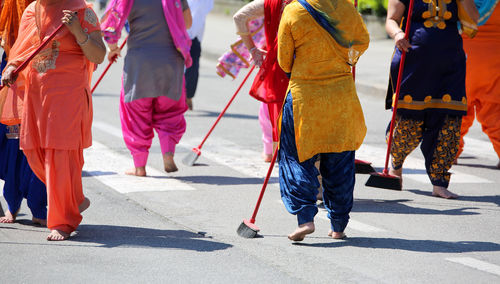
(301, 232)
(84, 205)
(398, 172)
(57, 235)
(267, 157)
(168, 162)
(337, 235)
(39, 221)
(9, 218)
(440, 191)
(139, 171)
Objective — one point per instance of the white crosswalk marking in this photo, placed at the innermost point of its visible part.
(108, 167)
(232, 155)
(477, 264)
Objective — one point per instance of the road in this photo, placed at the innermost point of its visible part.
(181, 227)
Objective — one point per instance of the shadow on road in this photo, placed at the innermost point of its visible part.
(491, 167)
(97, 173)
(224, 180)
(495, 199)
(397, 207)
(123, 236)
(431, 246)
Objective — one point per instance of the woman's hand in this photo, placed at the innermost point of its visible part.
(8, 77)
(114, 52)
(401, 42)
(257, 55)
(70, 19)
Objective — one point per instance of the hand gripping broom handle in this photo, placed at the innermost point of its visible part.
(398, 89)
(227, 106)
(113, 60)
(27, 61)
(264, 185)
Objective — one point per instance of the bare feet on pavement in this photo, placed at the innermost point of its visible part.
(337, 235)
(139, 171)
(39, 221)
(440, 191)
(8, 218)
(301, 232)
(57, 235)
(168, 162)
(84, 205)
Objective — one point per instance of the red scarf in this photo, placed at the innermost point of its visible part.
(271, 82)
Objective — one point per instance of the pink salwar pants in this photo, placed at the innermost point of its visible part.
(267, 128)
(141, 116)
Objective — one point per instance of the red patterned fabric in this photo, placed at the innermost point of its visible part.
(271, 82)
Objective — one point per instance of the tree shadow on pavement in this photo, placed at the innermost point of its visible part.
(132, 237)
(398, 207)
(224, 180)
(495, 199)
(431, 246)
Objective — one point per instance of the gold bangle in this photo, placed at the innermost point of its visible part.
(85, 41)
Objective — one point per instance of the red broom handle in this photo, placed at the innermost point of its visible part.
(227, 106)
(398, 88)
(27, 61)
(264, 185)
(113, 60)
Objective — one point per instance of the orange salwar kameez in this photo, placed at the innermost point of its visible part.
(57, 109)
(483, 81)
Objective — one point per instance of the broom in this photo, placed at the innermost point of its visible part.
(247, 228)
(191, 158)
(27, 61)
(384, 179)
(360, 166)
(113, 60)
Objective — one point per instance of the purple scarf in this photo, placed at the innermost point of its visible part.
(117, 13)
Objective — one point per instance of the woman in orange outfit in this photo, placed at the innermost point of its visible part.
(482, 78)
(57, 109)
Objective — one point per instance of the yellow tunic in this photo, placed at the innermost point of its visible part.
(327, 113)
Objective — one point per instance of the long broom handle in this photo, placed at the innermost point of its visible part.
(27, 61)
(264, 185)
(227, 106)
(113, 60)
(398, 88)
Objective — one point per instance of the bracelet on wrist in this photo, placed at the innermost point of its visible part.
(396, 33)
(85, 41)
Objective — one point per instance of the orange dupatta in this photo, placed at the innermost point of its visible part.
(37, 23)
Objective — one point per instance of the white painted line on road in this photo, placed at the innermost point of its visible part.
(414, 168)
(108, 167)
(477, 264)
(479, 148)
(356, 225)
(232, 155)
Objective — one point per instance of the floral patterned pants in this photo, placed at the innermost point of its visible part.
(439, 136)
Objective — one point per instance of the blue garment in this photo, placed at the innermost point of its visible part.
(434, 71)
(20, 181)
(485, 8)
(299, 181)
